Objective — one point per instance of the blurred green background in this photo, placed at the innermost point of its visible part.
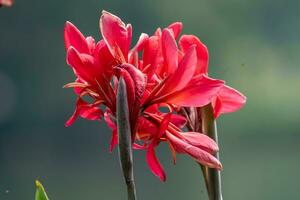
(253, 44)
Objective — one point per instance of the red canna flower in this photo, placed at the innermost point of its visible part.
(7, 3)
(228, 99)
(97, 65)
(176, 82)
(157, 74)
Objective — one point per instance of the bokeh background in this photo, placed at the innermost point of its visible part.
(253, 44)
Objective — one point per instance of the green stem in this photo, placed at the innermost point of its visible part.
(212, 176)
(125, 144)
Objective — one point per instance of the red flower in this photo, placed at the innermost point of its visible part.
(7, 3)
(157, 74)
(95, 65)
(228, 99)
(156, 128)
(176, 80)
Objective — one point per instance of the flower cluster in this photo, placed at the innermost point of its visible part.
(167, 82)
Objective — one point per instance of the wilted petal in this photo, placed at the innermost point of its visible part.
(228, 100)
(186, 41)
(73, 37)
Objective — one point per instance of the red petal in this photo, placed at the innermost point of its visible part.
(154, 164)
(173, 152)
(109, 121)
(141, 42)
(164, 125)
(228, 100)
(198, 93)
(200, 140)
(133, 55)
(116, 35)
(150, 55)
(145, 129)
(73, 37)
(178, 120)
(85, 111)
(90, 113)
(112, 125)
(91, 43)
(202, 53)
(135, 85)
(138, 81)
(104, 58)
(176, 28)
(198, 154)
(82, 64)
(169, 49)
(184, 73)
(114, 140)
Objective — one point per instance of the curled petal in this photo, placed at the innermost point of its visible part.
(154, 164)
(112, 125)
(73, 37)
(133, 55)
(228, 100)
(114, 140)
(104, 58)
(85, 110)
(141, 42)
(82, 64)
(135, 85)
(150, 55)
(196, 153)
(91, 43)
(116, 35)
(176, 27)
(169, 49)
(200, 140)
(164, 125)
(186, 41)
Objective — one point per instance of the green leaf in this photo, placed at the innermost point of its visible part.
(40, 193)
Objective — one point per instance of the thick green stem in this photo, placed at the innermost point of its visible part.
(212, 176)
(125, 144)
